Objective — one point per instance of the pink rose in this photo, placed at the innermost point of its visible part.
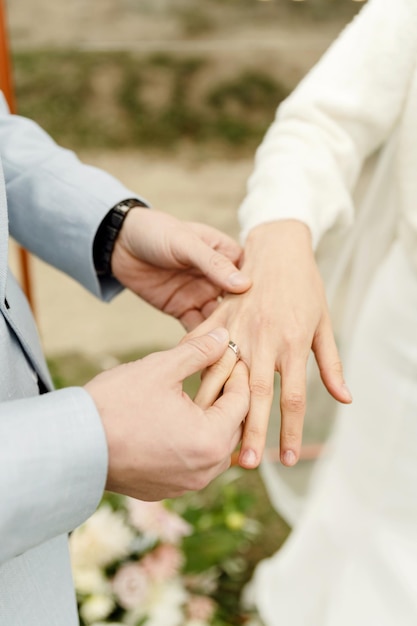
(162, 563)
(200, 608)
(130, 585)
(155, 519)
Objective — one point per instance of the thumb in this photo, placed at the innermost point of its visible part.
(217, 267)
(197, 353)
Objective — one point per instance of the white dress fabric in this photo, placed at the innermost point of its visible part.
(352, 557)
(341, 156)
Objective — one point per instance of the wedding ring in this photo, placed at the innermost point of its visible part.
(233, 346)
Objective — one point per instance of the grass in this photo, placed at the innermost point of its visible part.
(122, 99)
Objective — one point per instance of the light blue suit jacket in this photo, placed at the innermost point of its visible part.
(53, 454)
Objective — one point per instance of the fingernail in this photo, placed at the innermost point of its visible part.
(289, 458)
(347, 391)
(248, 458)
(219, 334)
(237, 279)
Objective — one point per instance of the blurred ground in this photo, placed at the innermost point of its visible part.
(145, 23)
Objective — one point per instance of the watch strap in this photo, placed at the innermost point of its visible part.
(107, 234)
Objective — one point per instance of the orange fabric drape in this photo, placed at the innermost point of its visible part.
(6, 86)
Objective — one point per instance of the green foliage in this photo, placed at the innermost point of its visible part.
(286, 9)
(244, 104)
(72, 369)
(249, 90)
(195, 21)
(119, 99)
(220, 527)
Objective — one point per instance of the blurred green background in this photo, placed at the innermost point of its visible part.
(156, 74)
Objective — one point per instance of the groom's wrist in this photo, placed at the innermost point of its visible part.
(108, 232)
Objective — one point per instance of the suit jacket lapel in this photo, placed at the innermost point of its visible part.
(13, 304)
(4, 237)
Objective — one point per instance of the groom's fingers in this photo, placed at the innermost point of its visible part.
(194, 317)
(230, 410)
(218, 240)
(214, 378)
(196, 353)
(217, 267)
(191, 319)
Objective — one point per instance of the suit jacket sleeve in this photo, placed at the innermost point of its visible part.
(53, 452)
(347, 106)
(55, 202)
(53, 467)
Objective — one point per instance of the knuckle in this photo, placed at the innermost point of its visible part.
(334, 367)
(337, 367)
(260, 387)
(294, 402)
(253, 431)
(201, 345)
(217, 262)
(290, 438)
(295, 336)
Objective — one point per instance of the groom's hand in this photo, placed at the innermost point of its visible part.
(160, 442)
(179, 267)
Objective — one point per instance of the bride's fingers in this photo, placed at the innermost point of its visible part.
(214, 378)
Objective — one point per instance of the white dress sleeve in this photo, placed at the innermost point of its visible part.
(347, 106)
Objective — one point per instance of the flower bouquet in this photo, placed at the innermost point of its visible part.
(171, 563)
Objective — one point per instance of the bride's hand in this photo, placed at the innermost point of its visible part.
(276, 323)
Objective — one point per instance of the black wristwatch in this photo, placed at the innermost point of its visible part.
(107, 234)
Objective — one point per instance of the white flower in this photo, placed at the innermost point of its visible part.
(89, 581)
(166, 616)
(96, 607)
(102, 539)
(163, 605)
(196, 622)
